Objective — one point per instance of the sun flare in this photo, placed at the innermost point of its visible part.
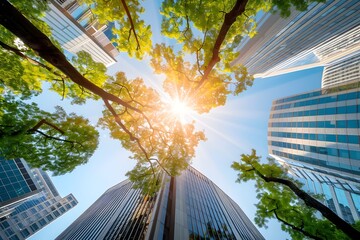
(180, 110)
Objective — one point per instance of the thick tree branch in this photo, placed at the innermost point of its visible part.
(21, 27)
(31, 60)
(131, 24)
(312, 202)
(229, 20)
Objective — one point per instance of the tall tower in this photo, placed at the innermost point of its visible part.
(27, 215)
(189, 206)
(345, 69)
(317, 135)
(16, 184)
(76, 29)
(321, 34)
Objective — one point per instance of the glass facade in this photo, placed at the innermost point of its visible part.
(344, 70)
(341, 197)
(189, 206)
(15, 182)
(324, 30)
(76, 28)
(27, 215)
(320, 128)
(317, 136)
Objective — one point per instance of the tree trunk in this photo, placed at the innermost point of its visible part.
(21, 27)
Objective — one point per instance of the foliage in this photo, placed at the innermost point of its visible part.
(158, 142)
(23, 73)
(284, 6)
(133, 36)
(277, 200)
(52, 141)
(209, 34)
(198, 71)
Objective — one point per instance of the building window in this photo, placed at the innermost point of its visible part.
(14, 238)
(34, 227)
(56, 213)
(49, 218)
(25, 233)
(42, 222)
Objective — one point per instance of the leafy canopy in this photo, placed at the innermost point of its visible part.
(52, 141)
(133, 35)
(159, 142)
(280, 202)
(198, 69)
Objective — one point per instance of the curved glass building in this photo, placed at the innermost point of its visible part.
(317, 136)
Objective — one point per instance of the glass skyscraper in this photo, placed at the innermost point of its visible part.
(304, 38)
(16, 184)
(341, 197)
(189, 206)
(23, 216)
(317, 135)
(75, 27)
(346, 69)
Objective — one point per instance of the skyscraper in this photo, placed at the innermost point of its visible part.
(323, 33)
(345, 69)
(317, 135)
(76, 29)
(341, 197)
(27, 215)
(189, 206)
(16, 184)
(319, 128)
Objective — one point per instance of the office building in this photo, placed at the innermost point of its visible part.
(27, 215)
(322, 34)
(341, 197)
(188, 206)
(319, 128)
(16, 184)
(316, 134)
(345, 69)
(76, 29)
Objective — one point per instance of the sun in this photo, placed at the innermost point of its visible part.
(181, 110)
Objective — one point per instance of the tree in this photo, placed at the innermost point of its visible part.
(206, 81)
(52, 141)
(158, 136)
(281, 197)
(166, 146)
(209, 34)
(133, 36)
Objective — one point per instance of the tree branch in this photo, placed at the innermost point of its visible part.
(312, 202)
(31, 60)
(229, 20)
(131, 23)
(43, 121)
(296, 228)
(21, 27)
(56, 138)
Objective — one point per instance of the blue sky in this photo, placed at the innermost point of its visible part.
(231, 130)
